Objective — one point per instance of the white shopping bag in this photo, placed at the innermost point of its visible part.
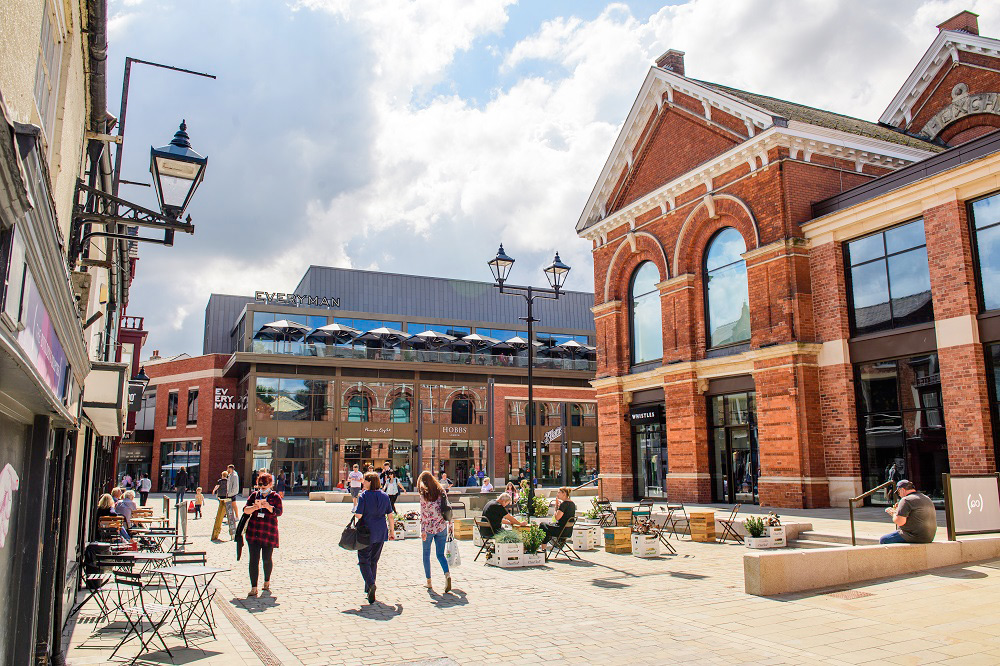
(452, 554)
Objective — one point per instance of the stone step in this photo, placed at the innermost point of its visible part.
(838, 539)
(810, 543)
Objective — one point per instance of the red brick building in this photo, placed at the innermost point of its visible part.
(188, 419)
(793, 305)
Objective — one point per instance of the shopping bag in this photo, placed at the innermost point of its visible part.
(452, 554)
(355, 538)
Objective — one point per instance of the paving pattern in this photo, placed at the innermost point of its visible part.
(688, 608)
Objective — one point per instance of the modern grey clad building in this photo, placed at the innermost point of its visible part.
(334, 374)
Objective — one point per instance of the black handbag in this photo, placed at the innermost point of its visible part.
(446, 511)
(355, 538)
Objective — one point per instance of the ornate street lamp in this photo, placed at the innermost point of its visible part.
(556, 274)
(177, 172)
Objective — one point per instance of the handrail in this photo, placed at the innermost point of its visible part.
(861, 497)
(585, 484)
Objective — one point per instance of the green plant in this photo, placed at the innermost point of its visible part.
(755, 526)
(508, 536)
(539, 508)
(533, 538)
(399, 520)
(642, 526)
(593, 513)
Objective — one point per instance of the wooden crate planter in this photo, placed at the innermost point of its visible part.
(623, 517)
(509, 550)
(585, 538)
(757, 543)
(645, 545)
(618, 540)
(464, 529)
(533, 560)
(504, 562)
(702, 525)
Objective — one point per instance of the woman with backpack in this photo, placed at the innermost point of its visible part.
(434, 524)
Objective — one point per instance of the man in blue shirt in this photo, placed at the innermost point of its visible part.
(373, 506)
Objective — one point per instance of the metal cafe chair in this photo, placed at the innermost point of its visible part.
(139, 612)
(643, 510)
(677, 517)
(660, 532)
(561, 545)
(190, 557)
(729, 526)
(607, 514)
(482, 523)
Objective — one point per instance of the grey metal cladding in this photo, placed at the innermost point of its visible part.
(221, 315)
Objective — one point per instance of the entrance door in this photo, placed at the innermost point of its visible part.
(735, 458)
(401, 458)
(650, 459)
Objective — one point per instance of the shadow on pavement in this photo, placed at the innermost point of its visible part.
(376, 611)
(453, 599)
(255, 604)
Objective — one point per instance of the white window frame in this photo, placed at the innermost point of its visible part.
(48, 70)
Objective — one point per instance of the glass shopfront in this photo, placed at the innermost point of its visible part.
(993, 362)
(649, 436)
(304, 460)
(175, 456)
(901, 424)
(735, 458)
(374, 452)
(458, 458)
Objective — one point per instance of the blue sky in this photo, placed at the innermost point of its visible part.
(415, 135)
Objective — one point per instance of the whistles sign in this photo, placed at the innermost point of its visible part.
(646, 414)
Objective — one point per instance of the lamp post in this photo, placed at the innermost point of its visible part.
(556, 273)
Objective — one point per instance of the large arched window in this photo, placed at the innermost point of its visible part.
(726, 294)
(400, 410)
(647, 324)
(357, 408)
(461, 410)
(575, 415)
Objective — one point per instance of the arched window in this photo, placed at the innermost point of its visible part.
(400, 410)
(575, 415)
(540, 409)
(357, 408)
(726, 295)
(461, 410)
(644, 305)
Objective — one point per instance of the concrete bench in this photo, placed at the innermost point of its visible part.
(769, 573)
(337, 498)
(317, 496)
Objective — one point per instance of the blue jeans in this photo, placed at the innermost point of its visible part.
(439, 540)
(894, 537)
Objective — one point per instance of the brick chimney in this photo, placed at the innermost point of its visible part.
(673, 60)
(155, 356)
(964, 22)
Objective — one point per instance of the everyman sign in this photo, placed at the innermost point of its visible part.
(295, 299)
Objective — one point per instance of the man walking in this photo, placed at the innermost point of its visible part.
(233, 490)
(144, 487)
(221, 489)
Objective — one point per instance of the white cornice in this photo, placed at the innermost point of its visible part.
(942, 51)
(801, 139)
(657, 83)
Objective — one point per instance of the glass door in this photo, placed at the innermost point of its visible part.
(651, 460)
(735, 458)
(401, 458)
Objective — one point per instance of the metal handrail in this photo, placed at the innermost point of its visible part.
(862, 497)
(585, 484)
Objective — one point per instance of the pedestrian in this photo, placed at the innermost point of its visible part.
(263, 506)
(144, 487)
(233, 493)
(279, 484)
(124, 507)
(372, 508)
(433, 526)
(511, 490)
(253, 478)
(383, 475)
(392, 488)
(487, 486)
(220, 490)
(914, 514)
(354, 481)
(180, 485)
(472, 480)
(199, 499)
(445, 481)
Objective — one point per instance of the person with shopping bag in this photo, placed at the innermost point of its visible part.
(370, 513)
(434, 526)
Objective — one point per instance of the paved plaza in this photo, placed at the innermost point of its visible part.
(688, 608)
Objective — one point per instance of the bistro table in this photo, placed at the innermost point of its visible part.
(144, 561)
(200, 601)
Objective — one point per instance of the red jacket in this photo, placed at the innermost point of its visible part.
(263, 530)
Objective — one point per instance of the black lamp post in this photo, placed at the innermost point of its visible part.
(177, 172)
(556, 274)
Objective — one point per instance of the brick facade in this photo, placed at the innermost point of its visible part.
(666, 206)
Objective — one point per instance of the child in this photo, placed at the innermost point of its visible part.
(199, 499)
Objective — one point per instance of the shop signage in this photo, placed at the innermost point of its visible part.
(278, 298)
(973, 504)
(645, 414)
(552, 435)
(225, 400)
(455, 430)
(135, 390)
(135, 453)
(39, 340)
(373, 430)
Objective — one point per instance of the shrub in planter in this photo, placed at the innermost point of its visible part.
(593, 513)
(540, 506)
(508, 536)
(755, 526)
(533, 538)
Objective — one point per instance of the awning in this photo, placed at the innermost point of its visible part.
(104, 400)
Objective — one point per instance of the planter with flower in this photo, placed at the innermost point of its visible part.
(775, 530)
(644, 542)
(506, 551)
(532, 539)
(399, 528)
(411, 523)
(756, 533)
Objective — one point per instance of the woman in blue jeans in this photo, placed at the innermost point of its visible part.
(433, 527)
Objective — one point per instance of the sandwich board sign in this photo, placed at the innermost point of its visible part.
(972, 504)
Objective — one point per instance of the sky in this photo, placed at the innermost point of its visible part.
(414, 136)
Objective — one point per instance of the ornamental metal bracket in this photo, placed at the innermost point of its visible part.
(98, 207)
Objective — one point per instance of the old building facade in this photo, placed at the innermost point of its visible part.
(771, 329)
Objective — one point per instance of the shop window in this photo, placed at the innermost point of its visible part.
(400, 410)
(644, 307)
(48, 69)
(172, 409)
(901, 423)
(735, 459)
(890, 280)
(192, 416)
(726, 292)
(175, 456)
(985, 214)
(357, 408)
(575, 415)
(461, 410)
(145, 417)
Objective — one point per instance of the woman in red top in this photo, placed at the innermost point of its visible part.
(264, 507)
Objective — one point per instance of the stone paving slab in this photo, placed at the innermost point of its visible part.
(672, 609)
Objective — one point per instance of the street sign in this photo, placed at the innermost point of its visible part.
(972, 504)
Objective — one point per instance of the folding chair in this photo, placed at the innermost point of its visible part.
(106, 594)
(674, 513)
(659, 531)
(643, 510)
(607, 517)
(157, 614)
(189, 557)
(729, 526)
(560, 543)
(483, 523)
